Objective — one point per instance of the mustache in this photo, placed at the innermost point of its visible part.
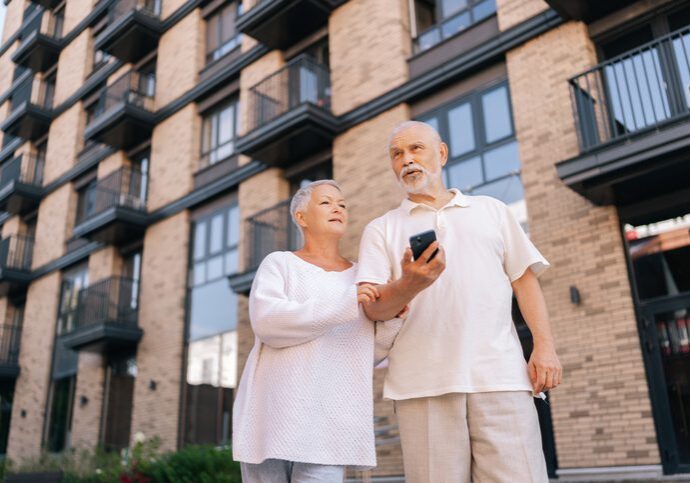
(412, 167)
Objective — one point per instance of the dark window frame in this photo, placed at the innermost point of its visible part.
(474, 99)
(209, 155)
(222, 48)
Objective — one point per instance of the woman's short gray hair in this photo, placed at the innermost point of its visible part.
(301, 199)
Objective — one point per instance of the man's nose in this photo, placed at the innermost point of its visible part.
(408, 159)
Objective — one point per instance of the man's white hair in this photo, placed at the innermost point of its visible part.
(403, 126)
(300, 200)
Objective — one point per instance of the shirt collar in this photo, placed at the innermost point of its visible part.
(458, 200)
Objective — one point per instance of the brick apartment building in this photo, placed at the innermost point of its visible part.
(149, 147)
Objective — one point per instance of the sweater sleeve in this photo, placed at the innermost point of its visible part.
(386, 332)
(281, 322)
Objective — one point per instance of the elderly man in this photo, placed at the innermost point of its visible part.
(462, 390)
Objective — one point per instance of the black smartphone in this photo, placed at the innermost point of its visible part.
(420, 242)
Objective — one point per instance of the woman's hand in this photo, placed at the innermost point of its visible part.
(403, 313)
(367, 293)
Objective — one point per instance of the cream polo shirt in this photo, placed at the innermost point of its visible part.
(459, 335)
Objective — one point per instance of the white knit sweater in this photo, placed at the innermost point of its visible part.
(306, 391)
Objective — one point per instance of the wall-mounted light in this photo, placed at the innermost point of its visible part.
(83, 401)
(575, 295)
(22, 413)
(153, 385)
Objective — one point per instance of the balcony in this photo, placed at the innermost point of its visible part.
(632, 115)
(20, 184)
(289, 114)
(134, 28)
(31, 109)
(267, 231)
(586, 10)
(279, 24)
(114, 212)
(10, 339)
(16, 252)
(105, 317)
(126, 118)
(40, 46)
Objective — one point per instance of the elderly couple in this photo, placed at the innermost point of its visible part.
(461, 387)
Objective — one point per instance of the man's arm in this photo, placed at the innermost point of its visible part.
(416, 276)
(545, 369)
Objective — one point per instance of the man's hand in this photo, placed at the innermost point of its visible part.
(544, 368)
(419, 274)
(367, 293)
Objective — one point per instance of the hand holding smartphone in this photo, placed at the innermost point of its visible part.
(421, 242)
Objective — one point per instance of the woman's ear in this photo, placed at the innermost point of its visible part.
(299, 216)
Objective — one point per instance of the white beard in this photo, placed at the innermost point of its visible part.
(421, 186)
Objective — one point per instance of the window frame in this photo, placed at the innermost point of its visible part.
(208, 118)
(481, 146)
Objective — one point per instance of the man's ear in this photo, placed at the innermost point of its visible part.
(443, 151)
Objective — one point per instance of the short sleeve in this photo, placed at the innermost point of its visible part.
(519, 252)
(374, 263)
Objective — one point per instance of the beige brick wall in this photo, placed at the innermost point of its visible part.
(65, 140)
(175, 148)
(55, 222)
(86, 418)
(180, 57)
(6, 72)
(104, 263)
(171, 6)
(13, 19)
(75, 12)
(513, 12)
(75, 60)
(112, 163)
(31, 390)
(362, 167)
(369, 44)
(11, 227)
(161, 316)
(250, 76)
(602, 414)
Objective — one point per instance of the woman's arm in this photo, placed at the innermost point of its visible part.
(280, 322)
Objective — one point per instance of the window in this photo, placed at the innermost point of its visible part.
(439, 20)
(57, 436)
(483, 154)
(86, 200)
(219, 132)
(221, 35)
(100, 57)
(212, 328)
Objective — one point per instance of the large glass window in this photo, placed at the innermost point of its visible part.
(438, 20)
(483, 154)
(219, 132)
(61, 402)
(212, 328)
(221, 35)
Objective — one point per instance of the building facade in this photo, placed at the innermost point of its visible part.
(150, 147)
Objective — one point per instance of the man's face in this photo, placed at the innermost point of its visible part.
(418, 158)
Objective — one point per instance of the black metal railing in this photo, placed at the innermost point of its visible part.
(10, 337)
(454, 24)
(638, 90)
(303, 80)
(25, 168)
(123, 7)
(268, 231)
(113, 300)
(133, 88)
(33, 91)
(125, 187)
(16, 252)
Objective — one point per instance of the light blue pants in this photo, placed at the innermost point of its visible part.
(281, 471)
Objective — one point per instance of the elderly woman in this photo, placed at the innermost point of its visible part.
(304, 406)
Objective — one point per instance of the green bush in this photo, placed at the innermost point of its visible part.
(143, 463)
(194, 464)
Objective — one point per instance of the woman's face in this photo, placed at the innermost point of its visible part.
(326, 212)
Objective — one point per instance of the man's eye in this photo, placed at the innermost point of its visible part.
(324, 202)
(343, 206)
